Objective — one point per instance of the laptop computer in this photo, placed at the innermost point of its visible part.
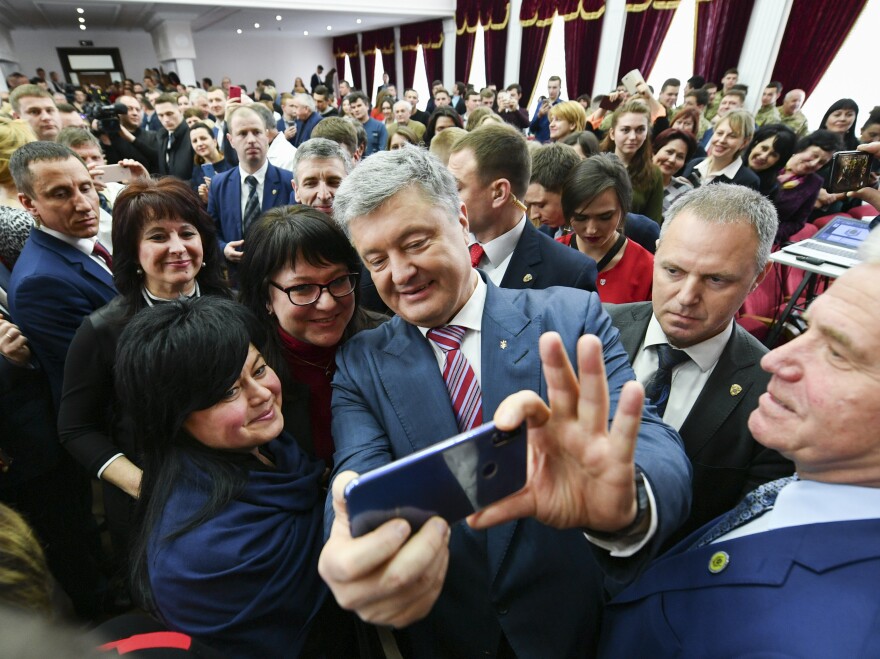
(836, 243)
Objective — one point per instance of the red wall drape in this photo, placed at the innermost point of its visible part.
(428, 34)
(347, 45)
(495, 16)
(646, 26)
(383, 40)
(721, 30)
(815, 31)
(535, 17)
(583, 30)
(467, 18)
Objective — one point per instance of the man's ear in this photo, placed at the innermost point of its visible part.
(500, 192)
(761, 275)
(295, 192)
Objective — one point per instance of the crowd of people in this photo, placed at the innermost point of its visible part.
(223, 305)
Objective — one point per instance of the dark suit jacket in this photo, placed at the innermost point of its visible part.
(538, 261)
(802, 591)
(744, 176)
(222, 137)
(728, 463)
(53, 287)
(541, 587)
(224, 199)
(182, 154)
(304, 128)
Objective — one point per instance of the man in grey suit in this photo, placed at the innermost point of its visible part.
(713, 251)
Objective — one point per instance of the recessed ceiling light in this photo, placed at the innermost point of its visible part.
(359, 21)
(81, 19)
(80, 10)
(257, 25)
(238, 31)
(278, 18)
(329, 27)
(82, 27)
(305, 33)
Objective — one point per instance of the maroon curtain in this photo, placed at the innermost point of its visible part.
(583, 30)
(495, 16)
(467, 16)
(721, 31)
(434, 59)
(646, 26)
(347, 45)
(370, 41)
(428, 34)
(814, 33)
(536, 17)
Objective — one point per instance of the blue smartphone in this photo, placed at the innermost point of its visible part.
(451, 479)
(208, 170)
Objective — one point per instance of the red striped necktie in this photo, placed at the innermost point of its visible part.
(461, 381)
(477, 253)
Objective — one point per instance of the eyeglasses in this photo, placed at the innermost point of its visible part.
(303, 295)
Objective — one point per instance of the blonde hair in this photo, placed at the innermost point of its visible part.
(442, 143)
(13, 133)
(743, 123)
(572, 112)
(24, 577)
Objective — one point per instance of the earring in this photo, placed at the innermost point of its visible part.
(139, 271)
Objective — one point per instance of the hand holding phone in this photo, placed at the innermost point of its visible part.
(450, 479)
(235, 91)
(113, 173)
(850, 170)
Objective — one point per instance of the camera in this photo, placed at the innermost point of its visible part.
(107, 116)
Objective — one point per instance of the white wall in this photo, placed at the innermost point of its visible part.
(272, 56)
(244, 59)
(35, 48)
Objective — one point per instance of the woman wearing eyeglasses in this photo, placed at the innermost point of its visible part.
(299, 276)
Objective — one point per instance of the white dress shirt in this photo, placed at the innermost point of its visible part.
(688, 378)
(811, 502)
(260, 175)
(84, 245)
(281, 153)
(498, 252)
(729, 171)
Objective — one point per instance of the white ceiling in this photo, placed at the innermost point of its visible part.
(231, 15)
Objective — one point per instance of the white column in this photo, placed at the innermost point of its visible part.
(366, 84)
(761, 46)
(513, 52)
(8, 60)
(173, 42)
(398, 63)
(448, 53)
(610, 46)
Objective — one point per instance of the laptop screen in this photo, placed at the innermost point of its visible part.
(843, 232)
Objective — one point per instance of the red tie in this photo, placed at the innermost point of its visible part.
(101, 251)
(461, 381)
(477, 253)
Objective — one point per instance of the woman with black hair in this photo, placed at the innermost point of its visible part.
(230, 513)
(839, 119)
(800, 181)
(442, 118)
(299, 277)
(767, 154)
(164, 247)
(596, 196)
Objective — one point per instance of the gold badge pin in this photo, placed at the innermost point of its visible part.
(527, 278)
(503, 344)
(735, 390)
(718, 562)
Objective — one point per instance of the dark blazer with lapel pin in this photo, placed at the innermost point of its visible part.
(541, 587)
(728, 462)
(53, 287)
(224, 199)
(538, 261)
(801, 591)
